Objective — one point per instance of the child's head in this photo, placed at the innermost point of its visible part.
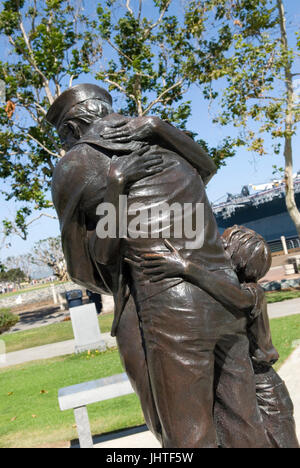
(250, 254)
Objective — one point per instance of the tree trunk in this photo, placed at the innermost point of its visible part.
(289, 184)
(289, 124)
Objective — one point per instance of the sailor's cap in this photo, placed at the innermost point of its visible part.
(73, 96)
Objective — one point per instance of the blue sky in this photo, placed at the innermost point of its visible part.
(245, 168)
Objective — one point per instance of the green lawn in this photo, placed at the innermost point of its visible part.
(280, 296)
(285, 332)
(48, 334)
(29, 412)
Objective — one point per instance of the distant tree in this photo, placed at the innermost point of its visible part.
(14, 275)
(48, 252)
(22, 262)
(49, 43)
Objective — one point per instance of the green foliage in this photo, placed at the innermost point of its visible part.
(49, 44)
(252, 56)
(154, 60)
(282, 296)
(7, 320)
(221, 153)
(149, 60)
(14, 275)
(253, 67)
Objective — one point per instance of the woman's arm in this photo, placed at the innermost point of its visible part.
(230, 296)
(153, 129)
(170, 265)
(124, 172)
(186, 147)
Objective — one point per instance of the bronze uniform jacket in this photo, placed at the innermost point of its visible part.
(78, 187)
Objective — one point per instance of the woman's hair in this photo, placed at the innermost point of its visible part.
(87, 111)
(250, 254)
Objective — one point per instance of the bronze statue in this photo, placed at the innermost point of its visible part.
(251, 259)
(180, 332)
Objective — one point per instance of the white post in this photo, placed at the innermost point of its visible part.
(54, 294)
(83, 427)
(61, 302)
(284, 245)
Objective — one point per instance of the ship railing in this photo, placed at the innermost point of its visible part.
(292, 243)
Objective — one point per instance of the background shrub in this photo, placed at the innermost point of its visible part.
(7, 320)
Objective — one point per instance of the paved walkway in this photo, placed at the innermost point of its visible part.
(38, 318)
(48, 351)
(49, 314)
(277, 271)
(278, 274)
(141, 440)
(285, 308)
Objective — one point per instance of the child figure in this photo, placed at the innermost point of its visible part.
(251, 260)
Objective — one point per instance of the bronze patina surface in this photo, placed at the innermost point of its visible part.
(185, 349)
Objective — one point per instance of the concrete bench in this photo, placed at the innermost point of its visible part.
(77, 397)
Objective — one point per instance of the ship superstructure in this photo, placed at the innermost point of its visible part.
(263, 209)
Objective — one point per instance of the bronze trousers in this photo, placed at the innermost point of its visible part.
(185, 336)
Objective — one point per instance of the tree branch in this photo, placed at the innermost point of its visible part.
(159, 98)
(71, 80)
(120, 88)
(140, 10)
(31, 59)
(251, 96)
(40, 108)
(128, 7)
(60, 151)
(148, 30)
(27, 107)
(34, 13)
(42, 146)
(119, 51)
(39, 217)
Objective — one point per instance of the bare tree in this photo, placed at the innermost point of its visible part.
(48, 252)
(22, 262)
